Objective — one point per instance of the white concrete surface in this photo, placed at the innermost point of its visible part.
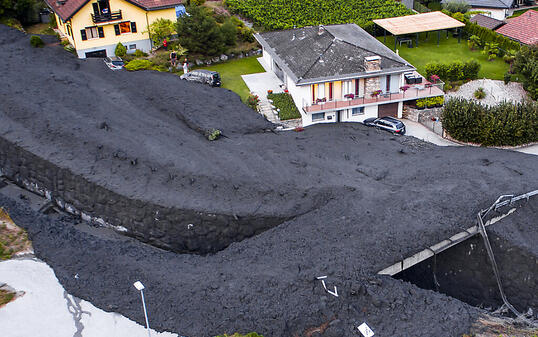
(47, 310)
(259, 83)
(419, 131)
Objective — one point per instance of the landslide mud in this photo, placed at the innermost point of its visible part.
(352, 201)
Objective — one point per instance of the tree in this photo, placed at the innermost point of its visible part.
(229, 32)
(199, 32)
(526, 63)
(457, 6)
(161, 29)
(120, 50)
(22, 10)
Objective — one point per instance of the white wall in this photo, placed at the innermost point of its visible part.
(267, 59)
(496, 13)
(369, 111)
(299, 93)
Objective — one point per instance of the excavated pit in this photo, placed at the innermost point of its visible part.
(465, 272)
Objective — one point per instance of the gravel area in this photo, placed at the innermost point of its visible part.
(496, 91)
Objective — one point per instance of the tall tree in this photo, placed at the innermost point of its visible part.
(199, 33)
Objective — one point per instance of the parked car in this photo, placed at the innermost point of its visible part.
(114, 62)
(386, 123)
(203, 76)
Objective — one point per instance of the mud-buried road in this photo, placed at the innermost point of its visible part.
(349, 202)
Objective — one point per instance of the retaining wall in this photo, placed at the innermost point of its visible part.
(179, 230)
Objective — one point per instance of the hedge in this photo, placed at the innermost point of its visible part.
(487, 35)
(284, 102)
(287, 14)
(454, 71)
(504, 124)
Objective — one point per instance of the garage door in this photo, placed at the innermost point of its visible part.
(390, 109)
(98, 53)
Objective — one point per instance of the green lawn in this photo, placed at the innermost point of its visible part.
(521, 11)
(448, 50)
(231, 71)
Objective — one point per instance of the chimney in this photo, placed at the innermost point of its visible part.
(321, 29)
(60, 2)
(372, 63)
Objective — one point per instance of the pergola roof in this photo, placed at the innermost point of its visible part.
(425, 22)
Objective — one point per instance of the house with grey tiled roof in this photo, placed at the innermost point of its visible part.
(486, 21)
(95, 27)
(340, 73)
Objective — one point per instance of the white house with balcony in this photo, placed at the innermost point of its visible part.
(340, 73)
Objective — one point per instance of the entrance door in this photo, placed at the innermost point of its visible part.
(98, 53)
(390, 109)
(339, 115)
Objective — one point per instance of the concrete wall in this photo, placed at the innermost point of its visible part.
(496, 13)
(180, 230)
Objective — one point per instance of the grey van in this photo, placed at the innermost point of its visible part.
(203, 76)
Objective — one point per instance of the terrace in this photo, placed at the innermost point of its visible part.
(414, 91)
(112, 16)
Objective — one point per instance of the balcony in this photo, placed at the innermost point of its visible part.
(415, 91)
(112, 16)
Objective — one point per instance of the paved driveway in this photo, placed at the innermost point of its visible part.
(259, 83)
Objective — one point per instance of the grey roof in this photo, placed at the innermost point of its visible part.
(338, 52)
(488, 3)
(486, 21)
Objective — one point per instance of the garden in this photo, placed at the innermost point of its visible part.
(287, 14)
(285, 105)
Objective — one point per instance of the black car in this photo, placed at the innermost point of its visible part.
(386, 123)
(203, 76)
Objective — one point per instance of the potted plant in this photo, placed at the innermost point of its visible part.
(349, 96)
(434, 78)
(404, 88)
(376, 93)
(420, 104)
(269, 91)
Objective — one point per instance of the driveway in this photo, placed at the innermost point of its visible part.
(46, 309)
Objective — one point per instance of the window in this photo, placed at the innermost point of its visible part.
(132, 46)
(357, 111)
(321, 90)
(89, 33)
(125, 27)
(69, 31)
(346, 87)
(318, 117)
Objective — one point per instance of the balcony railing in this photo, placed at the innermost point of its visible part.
(112, 16)
(415, 91)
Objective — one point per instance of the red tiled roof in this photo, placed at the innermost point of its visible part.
(523, 28)
(70, 7)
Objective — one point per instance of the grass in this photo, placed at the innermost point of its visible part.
(40, 28)
(448, 50)
(13, 239)
(521, 11)
(6, 296)
(284, 102)
(231, 71)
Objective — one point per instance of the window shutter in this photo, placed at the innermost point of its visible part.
(133, 27)
(117, 29)
(83, 34)
(101, 32)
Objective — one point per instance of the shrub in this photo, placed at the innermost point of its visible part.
(448, 87)
(457, 6)
(507, 78)
(284, 102)
(120, 50)
(526, 63)
(139, 65)
(287, 14)
(229, 32)
(36, 41)
(479, 93)
(454, 71)
(491, 49)
(252, 101)
(161, 29)
(505, 124)
(487, 35)
(196, 2)
(470, 70)
(214, 135)
(474, 42)
(459, 16)
(139, 53)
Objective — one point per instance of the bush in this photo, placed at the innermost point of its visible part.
(505, 124)
(139, 53)
(214, 135)
(229, 32)
(284, 102)
(196, 2)
(474, 42)
(479, 93)
(459, 16)
(487, 35)
(139, 65)
(448, 87)
(252, 101)
(36, 41)
(430, 102)
(454, 71)
(161, 29)
(526, 63)
(120, 50)
(457, 6)
(491, 49)
(287, 14)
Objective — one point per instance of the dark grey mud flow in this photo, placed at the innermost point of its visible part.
(350, 201)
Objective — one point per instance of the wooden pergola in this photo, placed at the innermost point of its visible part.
(419, 23)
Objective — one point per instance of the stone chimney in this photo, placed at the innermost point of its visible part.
(372, 64)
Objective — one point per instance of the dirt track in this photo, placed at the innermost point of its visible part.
(385, 198)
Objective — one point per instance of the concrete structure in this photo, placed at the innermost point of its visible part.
(340, 73)
(94, 28)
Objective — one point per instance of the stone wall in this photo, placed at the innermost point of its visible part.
(179, 230)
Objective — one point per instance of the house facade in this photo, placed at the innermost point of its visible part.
(497, 9)
(340, 73)
(94, 27)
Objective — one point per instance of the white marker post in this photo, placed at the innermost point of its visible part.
(365, 330)
(140, 287)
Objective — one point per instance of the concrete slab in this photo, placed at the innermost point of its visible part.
(47, 310)
(419, 131)
(259, 83)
